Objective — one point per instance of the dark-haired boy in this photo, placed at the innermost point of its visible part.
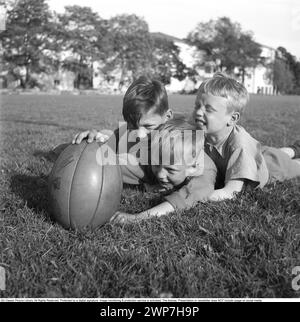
(145, 107)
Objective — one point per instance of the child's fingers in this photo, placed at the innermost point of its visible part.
(92, 136)
(100, 137)
(75, 138)
(81, 136)
(120, 218)
(116, 217)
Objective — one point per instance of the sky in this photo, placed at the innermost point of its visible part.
(274, 22)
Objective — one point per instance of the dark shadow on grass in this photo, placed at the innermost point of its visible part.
(51, 155)
(33, 190)
(47, 155)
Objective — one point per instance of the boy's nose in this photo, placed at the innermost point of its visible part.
(199, 111)
(161, 175)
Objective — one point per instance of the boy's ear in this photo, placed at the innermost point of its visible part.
(234, 118)
(197, 168)
(169, 114)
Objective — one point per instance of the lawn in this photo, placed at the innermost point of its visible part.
(242, 248)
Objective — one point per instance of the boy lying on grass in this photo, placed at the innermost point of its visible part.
(145, 107)
(177, 163)
(239, 158)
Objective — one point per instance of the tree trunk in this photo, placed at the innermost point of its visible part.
(121, 82)
(91, 85)
(22, 82)
(243, 76)
(79, 73)
(27, 77)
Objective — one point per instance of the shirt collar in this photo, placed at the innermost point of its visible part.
(220, 146)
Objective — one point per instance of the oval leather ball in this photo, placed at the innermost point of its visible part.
(83, 191)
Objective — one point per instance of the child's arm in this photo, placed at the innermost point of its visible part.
(165, 207)
(157, 211)
(198, 189)
(228, 192)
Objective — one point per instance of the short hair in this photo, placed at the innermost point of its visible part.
(176, 142)
(227, 87)
(143, 95)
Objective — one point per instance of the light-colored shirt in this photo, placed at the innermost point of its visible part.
(238, 157)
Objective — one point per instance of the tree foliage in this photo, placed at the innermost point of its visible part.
(285, 72)
(292, 66)
(37, 40)
(283, 79)
(167, 62)
(81, 32)
(130, 46)
(27, 39)
(224, 41)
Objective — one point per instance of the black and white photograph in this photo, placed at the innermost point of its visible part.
(150, 152)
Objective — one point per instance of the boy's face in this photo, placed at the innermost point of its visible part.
(211, 113)
(151, 121)
(170, 176)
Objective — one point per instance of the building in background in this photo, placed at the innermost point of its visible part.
(258, 80)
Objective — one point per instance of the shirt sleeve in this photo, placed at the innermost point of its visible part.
(198, 189)
(133, 156)
(136, 174)
(132, 174)
(247, 163)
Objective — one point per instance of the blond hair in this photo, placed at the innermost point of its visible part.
(227, 87)
(176, 142)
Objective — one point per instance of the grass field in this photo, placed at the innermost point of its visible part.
(242, 248)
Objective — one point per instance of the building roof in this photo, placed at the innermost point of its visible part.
(167, 37)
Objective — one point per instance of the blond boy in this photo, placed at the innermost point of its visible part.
(178, 164)
(240, 159)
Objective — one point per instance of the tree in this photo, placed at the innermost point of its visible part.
(27, 40)
(283, 78)
(83, 33)
(247, 54)
(292, 65)
(166, 61)
(131, 47)
(224, 41)
(297, 78)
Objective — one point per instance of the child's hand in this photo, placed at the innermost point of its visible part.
(123, 218)
(91, 136)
